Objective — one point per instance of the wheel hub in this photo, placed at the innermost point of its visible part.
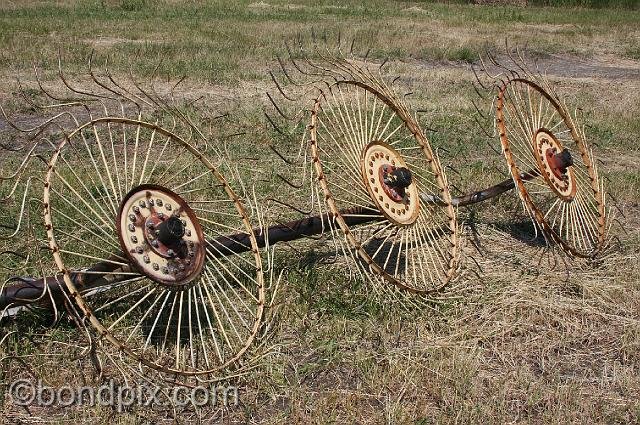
(390, 183)
(554, 163)
(161, 235)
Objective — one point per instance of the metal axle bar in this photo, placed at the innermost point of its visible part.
(30, 290)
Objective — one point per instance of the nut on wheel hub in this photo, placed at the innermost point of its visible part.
(389, 183)
(161, 235)
(554, 163)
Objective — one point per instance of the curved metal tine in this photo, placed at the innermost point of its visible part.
(125, 96)
(146, 98)
(350, 66)
(293, 61)
(154, 74)
(280, 89)
(329, 73)
(395, 79)
(277, 108)
(353, 69)
(302, 71)
(616, 206)
(540, 76)
(281, 156)
(8, 148)
(515, 74)
(520, 65)
(382, 64)
(191, 103)
(289, 182)
(366, 55)
(17, 176)
(353, 43)
(478, 92)
(485, 131)
(283, 68)
(509, 70)
(21, 214)
(173, 110)
(92, 97)
(65, 102)
(119, 96)
(497, 64)
(25, 258)
(274, 125)
(291, 80)
(158, 99)
(292, 207)
(323, 72)
(525, 68)
(483, 65)
(478, 110)
(7, 335)
(26, 98)
(477, 77)
(22, 165)
(41, 126)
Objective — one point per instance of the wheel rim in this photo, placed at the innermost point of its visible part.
(566, 204)
(198, 322)
(357, 130)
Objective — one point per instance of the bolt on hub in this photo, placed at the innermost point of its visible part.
(390, 183)
(161, 236)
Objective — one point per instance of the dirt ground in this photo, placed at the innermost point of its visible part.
(527, 334)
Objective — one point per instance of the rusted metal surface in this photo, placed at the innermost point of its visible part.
(400, 203)
(576, 219)
(161, 235)
(31, 290)
(28, 290)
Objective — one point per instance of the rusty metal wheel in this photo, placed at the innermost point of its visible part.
(137, 216)
(373, 161)
(565, 196)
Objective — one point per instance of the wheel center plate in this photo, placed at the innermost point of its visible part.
(400, 206)
(545, 147)
(161, 235)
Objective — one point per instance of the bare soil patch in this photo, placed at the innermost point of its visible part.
(566, 66)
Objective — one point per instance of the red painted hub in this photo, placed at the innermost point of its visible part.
(556, 163)
(381, 165)
(397, 194)
(161, 235)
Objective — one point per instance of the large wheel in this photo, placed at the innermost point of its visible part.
(138, 217)
(552, 166)
(377, 173)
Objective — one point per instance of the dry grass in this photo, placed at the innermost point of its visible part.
(535, 338)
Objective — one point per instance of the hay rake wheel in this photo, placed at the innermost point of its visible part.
(566, 199)
(153, 242)
(372, 160)
(115, 197)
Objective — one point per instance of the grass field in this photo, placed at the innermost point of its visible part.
(532, 339)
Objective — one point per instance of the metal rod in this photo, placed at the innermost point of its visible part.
(480, 195)
(30, 290)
